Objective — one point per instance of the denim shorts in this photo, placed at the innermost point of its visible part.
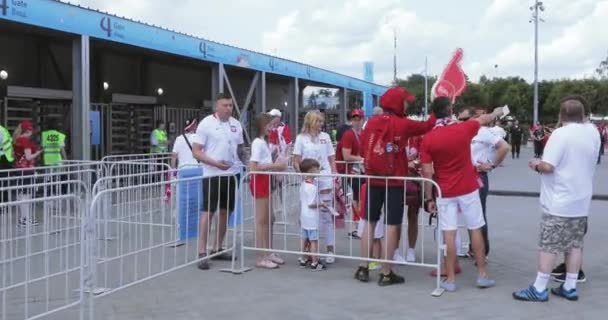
(312, 235)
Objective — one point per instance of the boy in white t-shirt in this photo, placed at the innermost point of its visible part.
(310, 214)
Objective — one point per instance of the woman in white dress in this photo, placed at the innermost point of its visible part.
(313, 143)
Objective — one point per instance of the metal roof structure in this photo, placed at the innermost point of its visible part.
(66, 17)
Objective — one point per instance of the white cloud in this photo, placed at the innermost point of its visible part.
(575, 50)
(339, 35)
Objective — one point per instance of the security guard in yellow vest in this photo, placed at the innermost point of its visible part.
(6, 149)
(159, 141)
(53, 146)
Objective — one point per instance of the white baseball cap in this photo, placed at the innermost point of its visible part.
(275, 113)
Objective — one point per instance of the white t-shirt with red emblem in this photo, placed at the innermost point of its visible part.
(220, 141)
(318, 148)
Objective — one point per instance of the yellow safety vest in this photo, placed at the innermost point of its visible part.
(52, 142)
(161, 141)
(7, 144)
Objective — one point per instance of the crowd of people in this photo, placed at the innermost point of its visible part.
(455, 148)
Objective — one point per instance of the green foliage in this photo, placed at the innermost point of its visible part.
(519, 94)
(415, 85)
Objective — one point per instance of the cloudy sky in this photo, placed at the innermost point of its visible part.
(341, 34)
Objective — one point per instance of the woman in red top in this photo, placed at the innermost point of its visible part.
(26, 153)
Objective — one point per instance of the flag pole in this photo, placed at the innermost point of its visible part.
(426, 87)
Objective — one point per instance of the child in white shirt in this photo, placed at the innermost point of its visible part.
(309, 214)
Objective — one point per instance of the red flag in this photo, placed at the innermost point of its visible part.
(452, 82)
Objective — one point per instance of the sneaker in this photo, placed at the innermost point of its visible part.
(24, 222)
(484, 283)
(389, 279)
(354, 235)
(571, 294)
(223, 257)
(362, 274)
(317, 266)
(276, 259)
(410, 255)
(559, 270)
(266, 264)
(562, 277)
(448, 286)
(203, 264)
(374, 266)
(398, 257)
(331, 259)
(530, 294)
(303, 262)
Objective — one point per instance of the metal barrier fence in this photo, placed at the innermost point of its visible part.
(257, 233)
(148, 218)
(41, 264)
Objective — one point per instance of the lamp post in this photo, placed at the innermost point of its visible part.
(538, 6)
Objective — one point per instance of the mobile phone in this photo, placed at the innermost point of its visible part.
(505, 111)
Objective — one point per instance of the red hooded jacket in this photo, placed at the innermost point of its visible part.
(404, 128)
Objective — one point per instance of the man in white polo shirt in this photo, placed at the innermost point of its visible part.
(488, 151)
(218, 146)
(567, 169)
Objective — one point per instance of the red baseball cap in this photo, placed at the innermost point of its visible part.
(357, 113)
(26, 125)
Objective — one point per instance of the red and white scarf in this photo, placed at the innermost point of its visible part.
(443, 122)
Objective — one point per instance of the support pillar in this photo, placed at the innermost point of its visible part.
(260, 94)
(368, 102)
(80, 135)
(217, 81)
(343, 104)
(293, 103)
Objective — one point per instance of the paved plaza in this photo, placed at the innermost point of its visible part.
(294, 293)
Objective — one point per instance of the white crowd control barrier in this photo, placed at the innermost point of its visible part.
(41, 247)
(258, 233)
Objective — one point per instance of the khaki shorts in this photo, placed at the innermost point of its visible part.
(559, 234)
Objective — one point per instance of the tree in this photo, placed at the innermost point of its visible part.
(602, 69)
(415, 85)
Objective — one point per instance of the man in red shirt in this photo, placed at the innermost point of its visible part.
(446, 152)
(280, 135)
(388, 193)
(348, 159)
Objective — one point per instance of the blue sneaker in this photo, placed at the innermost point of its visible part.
(571, 294)
(448, 286)
(530, 294)
(484, 283)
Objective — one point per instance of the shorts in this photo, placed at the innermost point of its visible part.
(391, 198)
(219, 192)
(560, 234)
(312, 235)
(259, 184)
(378, 231)
(325, 183)
(470, 207)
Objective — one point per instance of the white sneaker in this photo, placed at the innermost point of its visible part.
(410, 255)
(330, 259)
(398, 257)
(24, 222)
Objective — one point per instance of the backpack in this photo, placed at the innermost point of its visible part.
(380, 155)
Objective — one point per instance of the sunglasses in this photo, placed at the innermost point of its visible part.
(464, 118)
